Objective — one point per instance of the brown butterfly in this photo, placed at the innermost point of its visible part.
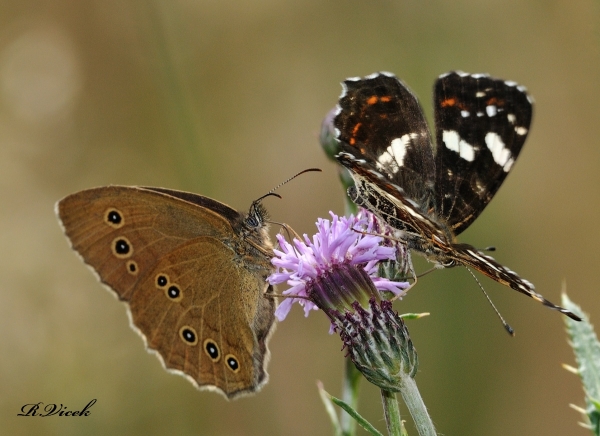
(191, 271)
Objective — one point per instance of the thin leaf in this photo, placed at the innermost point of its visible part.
(326, 399)
(353, 413)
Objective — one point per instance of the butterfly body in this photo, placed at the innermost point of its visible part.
(430, 195)
(191, 271)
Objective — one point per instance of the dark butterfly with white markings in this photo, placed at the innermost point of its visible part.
(430, 197)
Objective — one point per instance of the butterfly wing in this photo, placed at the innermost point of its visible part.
(481, 125)
(380, 121)
(469, 256)
(184, 273)
(376, 193)
(205, 315)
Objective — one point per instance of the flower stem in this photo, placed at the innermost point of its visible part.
(351, 382)
(392, 413)
(416, 407)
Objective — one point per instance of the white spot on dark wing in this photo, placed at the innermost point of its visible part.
(490, 262)
(510, 83)
(462, 73)
(481, 189)
(480, 94)
(479, 114)
(344, 92)
(500, 153)
(521, 130)
(393, 158)
(385, 73)
(511, 118)
(464, 113)
(479, 76)
(528, 284)
(454, 142)
(491, 110)
(529, 98)
(451, 140)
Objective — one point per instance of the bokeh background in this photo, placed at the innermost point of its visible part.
(226, 99)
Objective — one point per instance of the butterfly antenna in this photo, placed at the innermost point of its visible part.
(272, 191)
(268, 194)
(507, 327)
(289, 230)
(293, 177)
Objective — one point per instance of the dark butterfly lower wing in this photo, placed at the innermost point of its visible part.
(469, 256)
(481, 125)
(387, 200)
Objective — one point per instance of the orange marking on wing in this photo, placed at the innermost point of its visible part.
(373, 99)
(448, 102)
(496, 101)
(385, 98)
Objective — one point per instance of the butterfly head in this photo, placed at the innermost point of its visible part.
(257, 216)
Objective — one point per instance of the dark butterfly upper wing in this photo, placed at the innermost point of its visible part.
(481, 125)
(380, 120)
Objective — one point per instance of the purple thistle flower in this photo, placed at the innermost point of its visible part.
(338, 272)
(339, 246)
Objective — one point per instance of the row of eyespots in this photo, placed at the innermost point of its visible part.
(187, 333)
(189, 336)
(121, 246)
(212, 350)
(123, 249)
(172, 290)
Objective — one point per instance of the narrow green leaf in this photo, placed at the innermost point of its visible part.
(326, 399)
(350, 386)
(353, 413)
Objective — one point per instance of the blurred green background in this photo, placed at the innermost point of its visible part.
(226, 99)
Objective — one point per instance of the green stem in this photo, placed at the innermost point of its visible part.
(351, 382)
(391, 411)
(416, 407)
(170, 39)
